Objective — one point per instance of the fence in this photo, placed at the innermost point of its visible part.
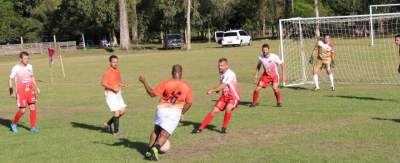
(36, 48)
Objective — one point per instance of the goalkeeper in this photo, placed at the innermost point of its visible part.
(325, 55)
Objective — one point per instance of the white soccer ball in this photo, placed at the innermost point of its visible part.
(165, 147)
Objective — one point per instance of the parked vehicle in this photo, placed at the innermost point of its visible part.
(173, 41)
(236, 37)
(218, 35)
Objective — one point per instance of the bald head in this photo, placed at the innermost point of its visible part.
(176, 71)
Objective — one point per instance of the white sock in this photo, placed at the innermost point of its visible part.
(316, 81)
(331, 79)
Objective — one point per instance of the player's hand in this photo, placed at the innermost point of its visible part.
(116, 90)
(182, 118)
(209, 92)
(37, 90)
(333, 64)
(142, 79)
(11, 92)
(255, 79)
(311, 59)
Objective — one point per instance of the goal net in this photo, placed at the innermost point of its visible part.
(357, 59)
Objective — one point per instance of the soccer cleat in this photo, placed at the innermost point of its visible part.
(252, 105)
(14, 128)
(223, 130)
(332, 88)
(108, 128)
(34, 130)
(196, 131)
(154, 154)
(316, 89)
(278, 105)
(147, 154)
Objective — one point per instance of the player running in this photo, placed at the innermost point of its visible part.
(175, 102)
(324, 49)
(26, 91)
(112, 83)
(397, 42)
(269, 61)
(228, 100)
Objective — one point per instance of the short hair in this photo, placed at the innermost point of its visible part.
(324, 35)
(112, 57)
(265, 46)
(177, 69)
(397, 36)
(24, 53)
(222, 60)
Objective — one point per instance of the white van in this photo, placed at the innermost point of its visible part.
(236, 37)
(218, 35)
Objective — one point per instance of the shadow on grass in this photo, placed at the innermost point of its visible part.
(297, 88)
(197, 125)
(6, 123)
(386, 119)
(138, 146)
(362, 98)
(87, 126)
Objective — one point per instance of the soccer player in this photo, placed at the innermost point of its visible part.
(26, 91)
(325, 59)
(269, 61)
(228, 100)
(175, 102)
(112, 83)
(397, 42)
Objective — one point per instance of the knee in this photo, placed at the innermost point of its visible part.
(22, 110)
(164, 134)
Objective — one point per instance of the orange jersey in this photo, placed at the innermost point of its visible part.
(112, 78)
(174, 92)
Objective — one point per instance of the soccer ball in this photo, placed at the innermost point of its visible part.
(165, 147)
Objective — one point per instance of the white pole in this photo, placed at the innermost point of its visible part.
(22, 43)
(55, 42)
(61, 62)
(83, 40)
(371, 22)
(281, 43)
(302, 53)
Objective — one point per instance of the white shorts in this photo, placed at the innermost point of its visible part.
(114, 100)
(168, 118)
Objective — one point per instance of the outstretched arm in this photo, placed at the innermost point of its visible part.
(146, 86)
(217, 88)
(257, 70)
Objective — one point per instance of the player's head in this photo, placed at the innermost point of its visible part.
(24, 57)
(222, 65)
(327, 38)
(176, 71)
(265, 49)
(397, 40)
(113, 59)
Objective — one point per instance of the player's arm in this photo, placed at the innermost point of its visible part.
(217, 88)
(257, 70)
(10, 86)
(314, 53)
(147, 87)
(106, 85)
(35, 85)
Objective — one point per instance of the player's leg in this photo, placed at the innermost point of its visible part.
(18, 115)
(152, 139)
(162, 138)
(32, 116)
(209, 117)
(116, 115)
(316, 70)
(330, 75)
(275, 88)
(256, 95)
(227, 117)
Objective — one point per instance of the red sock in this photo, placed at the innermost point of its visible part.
(227, 118)
(33, 118)
(206, 120)
(255, 97)
(278, 97)
(18, 115)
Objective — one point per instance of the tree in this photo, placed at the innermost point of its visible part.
(316, 7)
(123, 26)
(188, 30)
(134, 19)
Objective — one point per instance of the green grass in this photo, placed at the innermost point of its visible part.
(356, 123)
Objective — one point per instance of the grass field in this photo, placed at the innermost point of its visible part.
(356, 123)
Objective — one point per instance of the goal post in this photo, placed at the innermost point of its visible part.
(356, 60)
(371, 7)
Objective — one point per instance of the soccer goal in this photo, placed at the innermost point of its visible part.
(356, 60)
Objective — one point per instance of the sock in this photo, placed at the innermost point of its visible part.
(331, 79)
(227, 118)
(158, 146)
(278, 96)
(17, 117)
(32, 114)
(255, 97)
(316, 81)
(206, 120)
(110, 121)
(116, 124)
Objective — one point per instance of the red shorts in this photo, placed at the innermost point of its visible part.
(26, 96)
(223, 101)
(266, 80)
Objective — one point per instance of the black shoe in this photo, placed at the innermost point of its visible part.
(223, 130)
(252, 105)
(278, 105)
(196, 131)
(108, 129)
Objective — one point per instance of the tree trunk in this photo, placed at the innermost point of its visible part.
(134, 24)
(123, 26)
(274, 17)
(316, 7)
(114, 38)
(209, 35)
(188, 36)
(262, 15)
